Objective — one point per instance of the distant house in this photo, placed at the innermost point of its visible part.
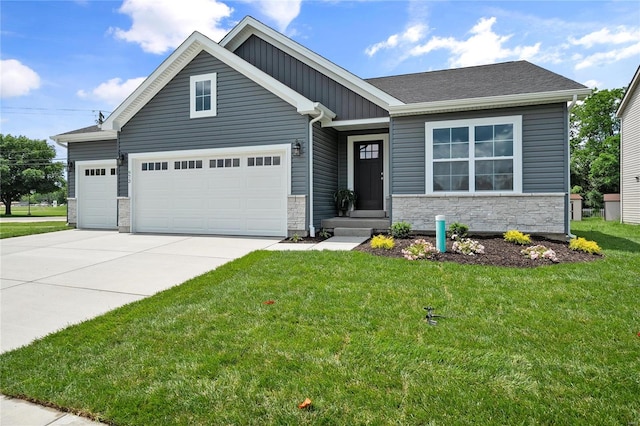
(253, 135)
(629, 114)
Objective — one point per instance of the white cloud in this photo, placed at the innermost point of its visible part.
(411, 35)
(280, 11)
(593, 84)
(160, 25)
(482, 47)
(113, 91)
(604, 58)
(620, 35)
(17, 79)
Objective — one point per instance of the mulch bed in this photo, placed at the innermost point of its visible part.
(498, 252)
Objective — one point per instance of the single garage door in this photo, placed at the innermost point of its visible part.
(96, 194)
(234, 193)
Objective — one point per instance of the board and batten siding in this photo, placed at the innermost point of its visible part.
(307, 81)
(88, 151)
(544, 148)
(247, 115)
(325, 172)
(630, 159)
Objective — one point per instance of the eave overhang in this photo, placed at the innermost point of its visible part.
(102, 135)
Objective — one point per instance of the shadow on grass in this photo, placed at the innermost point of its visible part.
(610, 242)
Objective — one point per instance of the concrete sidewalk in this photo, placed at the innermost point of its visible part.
(50, 281)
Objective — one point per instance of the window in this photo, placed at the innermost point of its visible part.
(224, 162)
(263, 161)
(480, 155)
(187, 164)
(203, 95)
(155, 166)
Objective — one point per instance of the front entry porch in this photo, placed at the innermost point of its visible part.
(359, 223)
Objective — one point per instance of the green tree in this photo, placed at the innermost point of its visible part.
(595, 145)
(25, 165)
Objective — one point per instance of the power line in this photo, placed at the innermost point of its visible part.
(54, 109)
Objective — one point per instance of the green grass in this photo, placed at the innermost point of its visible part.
(556, 344)
(20, 229)
(37, 211)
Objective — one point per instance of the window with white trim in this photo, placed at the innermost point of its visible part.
(478, 155)
(203, 95)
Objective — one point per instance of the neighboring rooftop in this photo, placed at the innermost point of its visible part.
(507, 78)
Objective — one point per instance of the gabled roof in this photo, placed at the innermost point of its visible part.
(86, 134)
(628, 94)
(485, 86)
(181, 57)
(250, 26)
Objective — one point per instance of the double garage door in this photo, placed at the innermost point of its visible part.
(241, 192)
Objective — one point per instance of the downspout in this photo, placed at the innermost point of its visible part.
(312, 229)
(571, 105)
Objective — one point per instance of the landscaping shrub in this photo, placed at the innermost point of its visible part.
(517, 237)
(585, 245)
(467, 246)
(458, 229)
(382, 242)
(400, 230)
(420, 249)
(539, 252)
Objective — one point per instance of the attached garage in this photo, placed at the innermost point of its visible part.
(220, 191)
(96, 183)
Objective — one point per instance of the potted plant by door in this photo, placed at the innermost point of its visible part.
(344, 199)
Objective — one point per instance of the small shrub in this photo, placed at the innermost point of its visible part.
(420, 249)
(585, 245)
(382, 242)
(324, 234)
(458, 230)
(400, 230)
(539, 252)
(296, 238)
(467, 246)
(517, 237)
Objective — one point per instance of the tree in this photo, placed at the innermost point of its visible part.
(595, 145)
(25, 165)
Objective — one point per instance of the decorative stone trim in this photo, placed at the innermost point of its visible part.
(72, 211)
(297, 215)
(529, 213)
(124, 214)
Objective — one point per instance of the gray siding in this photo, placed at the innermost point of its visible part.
(325, 173)
(544, 148)
(630, 158)
(247, 115)
(305, 80)
(87, 151)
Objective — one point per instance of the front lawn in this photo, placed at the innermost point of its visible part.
(20, 229)
(248, 342)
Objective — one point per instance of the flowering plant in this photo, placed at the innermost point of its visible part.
(467, 246)
(539, 252)
(420, 249)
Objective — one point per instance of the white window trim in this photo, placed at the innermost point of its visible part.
(515, 120)
(192, 95)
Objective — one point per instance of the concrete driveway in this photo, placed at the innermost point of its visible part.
(49, 281)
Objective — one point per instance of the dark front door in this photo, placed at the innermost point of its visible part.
(368, 175)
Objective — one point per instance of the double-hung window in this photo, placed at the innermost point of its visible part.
(478, 155)
(203, 95)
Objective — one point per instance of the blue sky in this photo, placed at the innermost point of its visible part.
(63, 61)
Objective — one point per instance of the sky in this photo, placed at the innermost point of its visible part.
(62, 62)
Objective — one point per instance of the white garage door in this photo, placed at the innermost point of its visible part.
(96, 194)
(231, 193)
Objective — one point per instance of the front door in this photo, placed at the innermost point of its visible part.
(368, 175)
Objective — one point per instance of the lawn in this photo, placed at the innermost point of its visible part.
(556, 344)
(20, 229)
(36, 211)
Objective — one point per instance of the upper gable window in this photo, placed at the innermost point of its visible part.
(203, 95)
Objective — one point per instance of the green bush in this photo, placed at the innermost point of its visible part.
(458, 229)
(582, 244)
(517, 237)
(400, 230)
(382, 242)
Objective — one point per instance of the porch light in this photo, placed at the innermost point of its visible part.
(121, 157)
(296, 148)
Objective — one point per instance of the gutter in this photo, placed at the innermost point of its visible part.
(312, 229)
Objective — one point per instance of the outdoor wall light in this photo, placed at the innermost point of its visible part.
(70, 165)
(296, 148)
(637, 178)
(121, 158)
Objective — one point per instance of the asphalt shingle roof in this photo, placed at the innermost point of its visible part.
(89, 129)
(508, 78)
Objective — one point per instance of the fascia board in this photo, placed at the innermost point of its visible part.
(250, 26)
(491, 102)
(86, 137)
(366, 123)
(633, 86)
(183, 55)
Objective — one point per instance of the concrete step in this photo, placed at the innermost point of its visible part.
(377, 214)
(351, 222)
(352, 232)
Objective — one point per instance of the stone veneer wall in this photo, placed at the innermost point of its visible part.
(297, 215)
(72, 211)
(530, 213)
(124, 214)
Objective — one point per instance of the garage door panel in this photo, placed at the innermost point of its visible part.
(97, 196)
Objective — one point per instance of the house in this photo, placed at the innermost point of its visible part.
(629, 114)
(252, 136)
